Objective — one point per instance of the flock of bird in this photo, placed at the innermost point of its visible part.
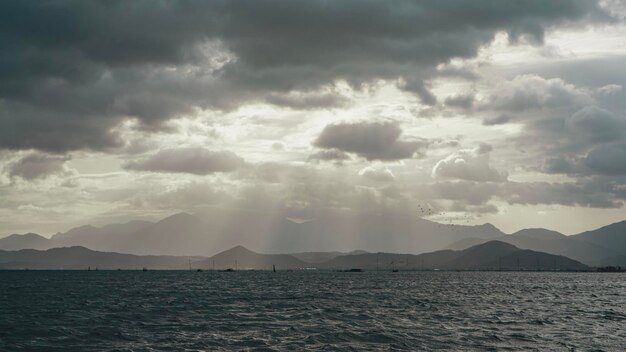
(451, 220)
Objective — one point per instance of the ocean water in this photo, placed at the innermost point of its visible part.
(293, 311)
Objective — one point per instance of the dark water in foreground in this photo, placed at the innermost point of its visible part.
(168, 310)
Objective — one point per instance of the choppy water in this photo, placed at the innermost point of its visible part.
(167, 310)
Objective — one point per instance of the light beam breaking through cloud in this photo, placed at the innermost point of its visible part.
(498, 111)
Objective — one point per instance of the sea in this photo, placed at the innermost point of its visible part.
(311, 310)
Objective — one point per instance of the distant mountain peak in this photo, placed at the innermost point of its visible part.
(85, 227)
(179, 217)
(494, 245)
(239, 249)
(539, 233)
(74, 231)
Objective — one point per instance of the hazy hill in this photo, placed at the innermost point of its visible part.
(272, 232)
(619, 260)
(320, 257)
(483, 256)
(25, 241)
(82, 258)
(540, 234)
(179, 234)
(550, 242)
(612, 236)
(491, 255)
(243, 258)
(318, 236)
(113, 237)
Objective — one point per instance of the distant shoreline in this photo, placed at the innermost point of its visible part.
(322, 270)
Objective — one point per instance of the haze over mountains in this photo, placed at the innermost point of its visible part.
(220, 229)
(600, 247)
(319, 237)
(493, 255)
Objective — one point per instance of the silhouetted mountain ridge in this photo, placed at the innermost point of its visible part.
(610, 236)
(493, 255)
(324, 235)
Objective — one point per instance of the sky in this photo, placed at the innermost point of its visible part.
(507, 112)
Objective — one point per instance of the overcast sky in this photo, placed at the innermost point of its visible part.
(509, 112)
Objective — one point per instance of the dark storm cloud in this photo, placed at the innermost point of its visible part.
(608, 159)
(578, 130)
(309, 101)
(198, 161)
(70, 71)
(463, 101)
(370, 140)
(330, 155)
(35, 166)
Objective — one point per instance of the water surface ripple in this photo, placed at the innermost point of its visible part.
(197, 311)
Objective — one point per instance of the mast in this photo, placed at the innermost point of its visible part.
(377, 255)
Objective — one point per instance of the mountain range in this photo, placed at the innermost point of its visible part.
(219, 229)
(492, 255)
(319, 237)
(600, 247)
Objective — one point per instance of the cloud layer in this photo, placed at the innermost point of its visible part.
(481, 109)
(72, 71)
(198, 161)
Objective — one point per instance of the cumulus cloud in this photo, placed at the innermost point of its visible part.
(469, 164)
(610, 89)
(532, 92)
(608, 159)
(597, 124)
(37, 166)
(377, 174)
(370, 140)
(565, 127)
(193, 160)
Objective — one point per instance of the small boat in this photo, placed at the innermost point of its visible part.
(144, 269)
(229, 270)
(199, 270)
(273, 268)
